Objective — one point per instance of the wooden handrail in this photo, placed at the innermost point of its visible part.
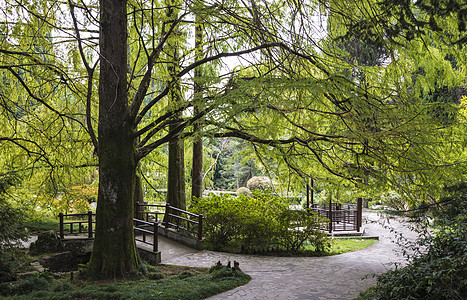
(89, 221)
(154, 232)
(175, 213)
(342, 219)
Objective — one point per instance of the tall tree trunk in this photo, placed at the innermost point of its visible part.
(114, 251)
(138, 193)
(176, 176)
(197, 167)
(176, 173)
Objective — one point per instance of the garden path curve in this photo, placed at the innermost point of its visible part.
(331, 277)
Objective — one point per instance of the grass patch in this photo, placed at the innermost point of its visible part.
(180, 283)
(45, 224)
(343, 245)
(338, 246)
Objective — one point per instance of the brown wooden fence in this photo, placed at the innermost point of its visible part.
(148, 218)
(147, 233)
(170, 217)
(342, 217)
(77, 224)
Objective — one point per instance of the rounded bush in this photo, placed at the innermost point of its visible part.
(244, 191)
(260, 183)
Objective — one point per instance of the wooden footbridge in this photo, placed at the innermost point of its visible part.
(151, 220)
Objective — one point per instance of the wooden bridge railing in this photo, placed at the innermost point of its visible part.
(147, 229)
(182, 221)
(72, 224)
(342, 217)
(78, 224)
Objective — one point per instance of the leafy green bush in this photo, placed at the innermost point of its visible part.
(394, 200)
(438, 259)
(222, 215)
(258, 224)
(33, 283)
(243, 191)
(11, 231)
(298, 226)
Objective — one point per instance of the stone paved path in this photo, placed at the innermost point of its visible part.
(332, 277)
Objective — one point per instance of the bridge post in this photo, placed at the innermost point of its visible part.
(359, 214)
(60, 216)
(155, 245)
(166, 217)
(200, 227)
(89, 224)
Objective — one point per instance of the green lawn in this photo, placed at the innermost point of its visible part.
(343, 245)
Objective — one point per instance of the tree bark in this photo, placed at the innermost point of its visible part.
(197, 167)
(176, 173)
(138, 194)
(114, 251)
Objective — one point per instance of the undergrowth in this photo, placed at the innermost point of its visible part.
(437, 260)
(185, 285)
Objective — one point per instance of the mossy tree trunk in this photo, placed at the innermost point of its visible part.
(197, 167)
(114, 251)
(176, 173)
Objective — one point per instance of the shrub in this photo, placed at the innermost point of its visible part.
(244, 191)
(76, 199)
(222, 218)
(438, 259)
(11, 231)
(260, 183)
(257, 224)
(33, 283)
(298, 226)
(394, 200)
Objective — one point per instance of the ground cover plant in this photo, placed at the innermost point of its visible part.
(173, 282)
(437, 266)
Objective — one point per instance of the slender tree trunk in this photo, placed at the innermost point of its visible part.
(197, 168)
(114, 251)
(176, 173)
(138, 193)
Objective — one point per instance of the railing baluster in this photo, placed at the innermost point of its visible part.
(166, 216)
(359, 213)
(90, 224)
(62, 234)
(155, 245)
(200, 227)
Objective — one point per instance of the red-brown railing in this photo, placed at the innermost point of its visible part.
(146, 229)
(83, 223)
(342, 217)
(77, 224)
(184, 222)
(146, 224)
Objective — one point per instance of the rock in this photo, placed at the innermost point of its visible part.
(60, 262)
(47, 242)
(36, 265)
(237, 266)
(79, 247)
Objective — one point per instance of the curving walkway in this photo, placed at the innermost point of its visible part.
(331, 277)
